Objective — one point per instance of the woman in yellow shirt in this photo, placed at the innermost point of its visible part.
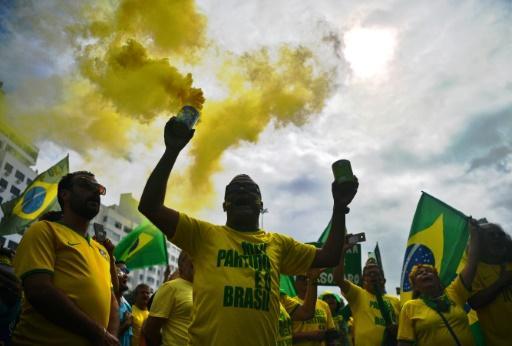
(436, 316)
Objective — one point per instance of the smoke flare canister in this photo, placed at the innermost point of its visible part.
(188, 115)
(342, 171)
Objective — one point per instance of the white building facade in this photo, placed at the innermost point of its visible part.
(17, 156)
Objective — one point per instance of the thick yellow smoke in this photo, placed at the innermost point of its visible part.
(260, 89)
(131, 61)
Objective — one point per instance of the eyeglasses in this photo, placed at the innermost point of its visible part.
(237, 188)
(90, 185)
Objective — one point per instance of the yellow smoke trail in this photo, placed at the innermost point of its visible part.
(286, 89)
(127, 59)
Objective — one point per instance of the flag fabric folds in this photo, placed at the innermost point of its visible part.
(39, 197)
(438, 236)
(144, 246)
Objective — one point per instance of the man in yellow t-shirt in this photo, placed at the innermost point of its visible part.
(492, 286)
(319, 329)
(140, 311)
(237, 265)
(369, 323)
(171, 310)
(66, 274)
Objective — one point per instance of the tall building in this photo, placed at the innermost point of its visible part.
(17, 156)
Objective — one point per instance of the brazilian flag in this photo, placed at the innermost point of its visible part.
(38, 198)
(142, 247)
(439, 235)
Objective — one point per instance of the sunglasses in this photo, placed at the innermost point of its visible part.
(90, 185)
(237, 188)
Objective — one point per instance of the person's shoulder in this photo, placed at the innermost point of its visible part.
(413, 304)
(322, 304)
(392, 299)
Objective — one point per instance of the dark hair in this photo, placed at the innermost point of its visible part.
(487, 227)
(372, 265)
(139, 286)
(182, 257)
(66, 182)
(120, 262)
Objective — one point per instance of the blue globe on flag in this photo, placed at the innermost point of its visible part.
(33, 199)
(415, 254)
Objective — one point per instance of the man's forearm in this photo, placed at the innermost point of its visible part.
(332, 249)
(153, 195)
(56, 307)
(113, 322)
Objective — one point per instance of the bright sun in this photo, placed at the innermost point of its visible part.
(369, 50)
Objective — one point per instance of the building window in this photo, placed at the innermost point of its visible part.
(8, 168)
(152, 269)
(29, 181)
(2, 241)
(20, 177)
(141, 277)
(115, 236)
(127, 229)
(15, 191)
(173, 259)
(1, 199)
(151, 280)
(3, 183)
(118, 225)
(105, 218)
(12, 245)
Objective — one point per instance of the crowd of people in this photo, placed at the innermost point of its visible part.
(227, 287)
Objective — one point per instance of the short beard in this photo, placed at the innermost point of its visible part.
(82, 210)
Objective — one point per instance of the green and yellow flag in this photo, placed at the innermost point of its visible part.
(439, 235)
(143, 247)
(38, 198)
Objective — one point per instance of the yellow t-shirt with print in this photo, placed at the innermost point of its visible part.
(369, 324)
(495, 316)
(138, 318)
(423, 325)
(173, 301)
(236, 281)
(80, 268)
(285, 331)
(321, 321)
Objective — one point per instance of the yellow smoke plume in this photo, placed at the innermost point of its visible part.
(128, 77)
(138, 85)
(286, 89)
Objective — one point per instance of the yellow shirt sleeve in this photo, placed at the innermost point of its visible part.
(163, 302)
(36, 251)
(457, 292)
(189, 234)
(329, 320)
(296, 257)
(289, 304)
(353, 294)
(405, 324)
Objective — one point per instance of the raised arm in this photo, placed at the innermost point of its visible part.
(339, 272)
(329, 255)
(176, 136)
(468, 273)
(306, 311)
